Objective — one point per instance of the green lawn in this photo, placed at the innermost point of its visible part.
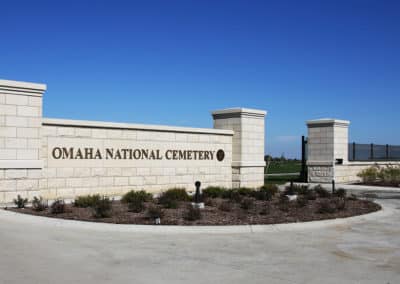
(284, 167)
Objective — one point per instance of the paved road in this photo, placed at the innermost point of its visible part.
(42, 252)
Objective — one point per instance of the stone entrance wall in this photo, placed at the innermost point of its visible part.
(57, 158)
(328, 142)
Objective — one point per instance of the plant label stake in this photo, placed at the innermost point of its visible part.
(198, 198)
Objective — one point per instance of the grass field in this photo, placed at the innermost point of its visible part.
(284, 167)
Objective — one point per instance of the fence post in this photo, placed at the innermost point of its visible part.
(372, 151)
(303, 159)
(387, 151)
(354, 151)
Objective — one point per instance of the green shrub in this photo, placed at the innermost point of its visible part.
(245, 191)
(325, 207)
(133, 196)
(226, 206)
(237, 194)
(302, 201)
(38, 204)
(322, 192)
(86, 201)
(213, 192)
(136, 200)
(58, 207)
(233, 195)
(20, 202)
(192, 214)
(369, 175)
(342, 193)
(172, 197)
(272, 188)
(390, 175)
(262, 194)
(102, 208)
(154, 212)
(247, 203)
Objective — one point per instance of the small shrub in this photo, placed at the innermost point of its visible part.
(262, 194)
(38, 204)
(213, 192)
(86, 201)
(284, 203)
(133, 196)
(233, 195)
(172, 197)
(325, 207)
(136, 206)
(226, 206)
(302, 201)
(271, 188)
(58, 207)
(389, 175)
(102, 208)
(342, 193)
(247, 203)
(20, 202)
(340, 203)
(369, 175)
(322, 192)
(192, 214)
(154, 212)
(245, 191)
(136, 200)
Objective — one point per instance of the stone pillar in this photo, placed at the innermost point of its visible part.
(328, 141)
(248, 144)
(20, 122)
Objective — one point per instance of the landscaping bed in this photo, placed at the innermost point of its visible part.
(222, 207)
(385, 176)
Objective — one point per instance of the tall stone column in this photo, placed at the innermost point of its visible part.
(20, 122)
(248, 147)
(328, 141)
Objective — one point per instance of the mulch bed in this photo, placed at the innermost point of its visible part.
(263, 212)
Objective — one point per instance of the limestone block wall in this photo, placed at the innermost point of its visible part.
(20, 137)
(69, 178)
(348, 173)
(327, 160)
(56, 158)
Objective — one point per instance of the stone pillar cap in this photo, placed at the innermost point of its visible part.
(23, 88)
(327, 122)
(239, 112)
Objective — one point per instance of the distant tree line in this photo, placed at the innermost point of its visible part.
(282, 158)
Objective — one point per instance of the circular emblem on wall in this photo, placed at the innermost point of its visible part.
(220, 155)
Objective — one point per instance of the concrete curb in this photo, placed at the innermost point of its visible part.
(354, 187)
(9, 216)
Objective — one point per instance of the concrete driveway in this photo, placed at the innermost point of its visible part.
(361, 251)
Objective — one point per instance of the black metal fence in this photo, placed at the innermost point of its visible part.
(373, 152)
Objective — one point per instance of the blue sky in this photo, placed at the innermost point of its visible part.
(172, 62)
